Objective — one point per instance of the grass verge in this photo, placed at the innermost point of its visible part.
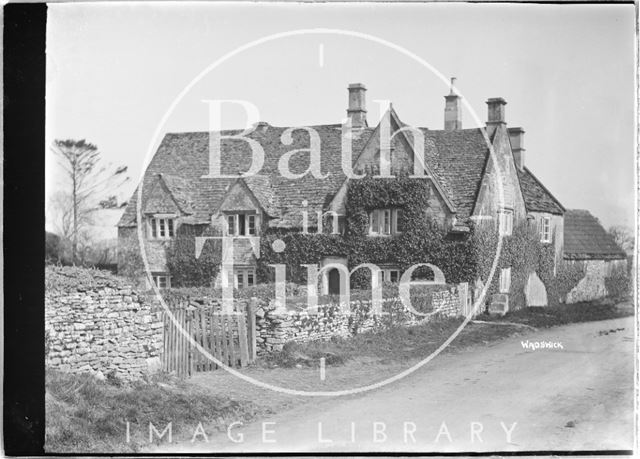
(396, 344)
(406, 343)
(85, 415)
(539, 317)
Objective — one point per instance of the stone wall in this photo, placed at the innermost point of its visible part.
(96, 323)
(274, 328)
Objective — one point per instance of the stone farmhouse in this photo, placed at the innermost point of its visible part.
(457, 161)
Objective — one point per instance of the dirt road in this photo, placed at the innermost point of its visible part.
(503, 397)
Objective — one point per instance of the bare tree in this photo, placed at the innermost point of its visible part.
(89, 180)
(623, 235)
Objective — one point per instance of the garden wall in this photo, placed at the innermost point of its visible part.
(274, 329)
(96, 323)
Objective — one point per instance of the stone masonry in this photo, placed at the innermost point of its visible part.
(274, 329)
(95, 323)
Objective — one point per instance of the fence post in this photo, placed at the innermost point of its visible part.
(251, 326)
(463, 292)
(192, 349)
(242, 337)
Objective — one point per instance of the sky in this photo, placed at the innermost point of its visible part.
(566, 72)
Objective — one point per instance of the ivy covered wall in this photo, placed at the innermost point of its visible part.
(424, 240)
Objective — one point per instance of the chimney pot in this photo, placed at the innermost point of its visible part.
(357, 110)
(452, 111)
(516, 137)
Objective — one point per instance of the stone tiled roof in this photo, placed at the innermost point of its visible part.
(181, 191)
(586, 239)
(260, 186)
(536, 197)
(159, 199)
(187, 155)
(456, 159)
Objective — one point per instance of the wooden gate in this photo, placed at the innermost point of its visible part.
(230, 338)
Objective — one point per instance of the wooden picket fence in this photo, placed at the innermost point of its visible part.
(230, 338)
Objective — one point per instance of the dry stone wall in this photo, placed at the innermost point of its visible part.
(96, 323)
(275, 328)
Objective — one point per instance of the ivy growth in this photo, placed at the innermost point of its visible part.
(185, 269)
(423, 240)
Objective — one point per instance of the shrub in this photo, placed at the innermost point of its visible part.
(618, 283)
(52, 247)
(130, 264)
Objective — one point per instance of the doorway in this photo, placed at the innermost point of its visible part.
(334, 282)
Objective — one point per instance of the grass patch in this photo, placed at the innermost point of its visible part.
(539, 317)
(399, 344)
(85, 415)
(391, 345)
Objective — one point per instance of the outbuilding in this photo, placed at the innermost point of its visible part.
(587, 242)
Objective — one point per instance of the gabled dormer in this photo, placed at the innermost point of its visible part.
(163, 208)
(248, 204)
(378, 159)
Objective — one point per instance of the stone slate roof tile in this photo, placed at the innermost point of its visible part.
(586, 239)
(159, 199)
(456, 158)
(181, 190)
(536, 197)
(260, 186)
(187, 155)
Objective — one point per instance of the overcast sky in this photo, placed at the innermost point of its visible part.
(566, 71)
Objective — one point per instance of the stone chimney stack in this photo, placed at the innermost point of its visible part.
(357, 110)
(496, 110)
(516, 136)
(452, 111)
(495, 114)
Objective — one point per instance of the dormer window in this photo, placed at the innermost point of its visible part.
(161, 227)
(242, 225)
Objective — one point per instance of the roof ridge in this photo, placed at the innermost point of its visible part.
(254, 127)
